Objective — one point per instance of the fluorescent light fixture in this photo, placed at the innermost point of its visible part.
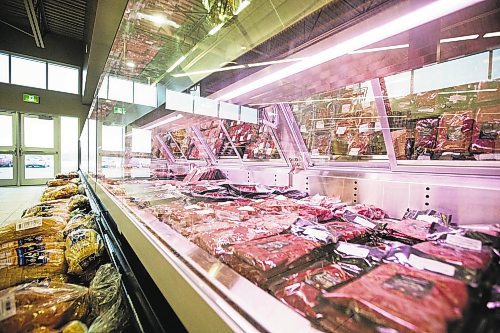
(216, 29)
(159, 20)
(458, 39)
(177, 63)
(130, 64)
(163, 122)
(492, 34)
(273, 62)
(243, 4)
(384, 48)
(425, 14)
(209, 71)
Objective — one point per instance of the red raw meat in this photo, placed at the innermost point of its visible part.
(402, 298)
(346, 231)
(413, 229)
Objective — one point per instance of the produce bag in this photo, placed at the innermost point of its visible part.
(49, 304)
(84, 250)
(104, 290)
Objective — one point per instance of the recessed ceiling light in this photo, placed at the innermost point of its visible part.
(458, 39)
(492, 34)
(130, 64)
(215, 29)
(244, 4)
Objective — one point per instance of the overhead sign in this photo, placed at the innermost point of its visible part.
(31, 98)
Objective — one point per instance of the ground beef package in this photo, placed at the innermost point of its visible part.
(425, 134)
(401, 298)
(260, 259)
(486, 135)
(455, 132)
(300, 290)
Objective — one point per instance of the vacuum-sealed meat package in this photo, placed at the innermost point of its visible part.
(400, 298)
(428, 215)
(486, 135)
(346, 231)
(356, 258)
(407, 231)
(301, 289)
(260, 259)
(455, 132)
(425, 134)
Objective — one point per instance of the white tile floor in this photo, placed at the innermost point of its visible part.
(13, 200)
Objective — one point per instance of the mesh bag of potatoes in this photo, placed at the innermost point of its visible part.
(60, 192)
(84, 251)
(31, 306)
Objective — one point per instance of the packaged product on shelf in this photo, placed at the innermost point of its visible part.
(455, 132)
(44, 303)
(425, 104)
(486, 134)
(357, 258)
(370, 211)
(84, 250)
(321, 143)
(61, 182)
(115, 320)
(104, 290)
(460, 97)
(80, 221)
(60, 192)
(347, 231)
(80, 202)
(399, 138)
(426, 131)
(49, 207)
(31, 261)
(428, 215)
(407, 231)
(74, 326)
(260, 259)
(69, 175)
(32, 226)
(400, 298)
(300, 290)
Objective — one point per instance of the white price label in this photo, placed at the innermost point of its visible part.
(315, 152)
(457, 98)
(353, 250)
(7, 306)
(464, 242)
(341, 130)
(233, 138)
(378, 126)
(424, 158)
(364, 223)
(280, 197)
(269, 151)
(428, 218)
(354, 151)
(246, 209)
(431, 265)
(23, 225)
(261, 146)
(320, 124)
(192, 207)
(303, 128)
(427, 110)
(204, 212)
(346, 108)
(249, 136)
(364, 128)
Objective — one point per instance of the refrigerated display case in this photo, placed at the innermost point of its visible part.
(266, 208)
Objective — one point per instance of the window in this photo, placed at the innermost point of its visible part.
(120, 90)
(145, 94)
(38, 133)
(103, 91)
(398, 85)
(112, 138)
(141, 141)
(69, 146)
(495, 70)
(27, 72)
(452, 73)
(63, 78)
(4, 68)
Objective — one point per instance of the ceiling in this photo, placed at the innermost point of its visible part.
(60, 17)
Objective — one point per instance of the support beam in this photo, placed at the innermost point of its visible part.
(35, 26)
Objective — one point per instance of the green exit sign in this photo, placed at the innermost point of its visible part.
(119, 110)
(31, 98)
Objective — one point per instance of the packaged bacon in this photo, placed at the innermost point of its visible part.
(455, 132)
(300, 290)
(401, 298)
(486, 135)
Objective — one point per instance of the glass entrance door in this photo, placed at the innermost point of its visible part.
(39, 149)
(8, 149)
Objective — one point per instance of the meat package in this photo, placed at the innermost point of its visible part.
(455, 132)
(400, 298)
(407, 230)
(301, 289)
(426, 131)
(261, 259)
(320, 144)
(486, 134)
